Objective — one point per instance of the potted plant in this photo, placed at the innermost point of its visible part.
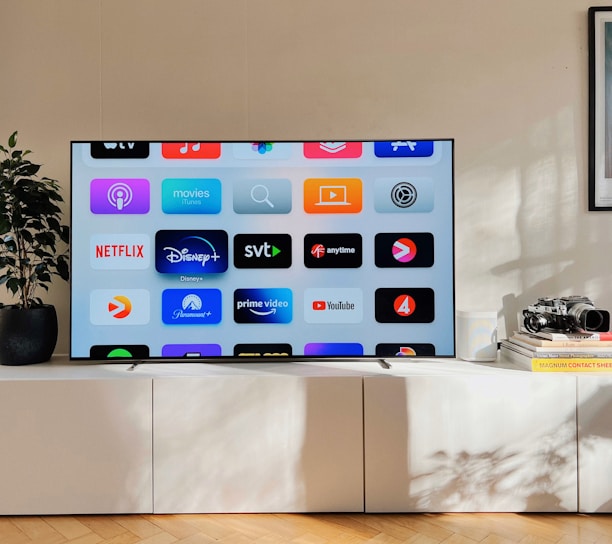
(30, 232)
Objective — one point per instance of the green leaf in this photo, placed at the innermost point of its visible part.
(30, 226)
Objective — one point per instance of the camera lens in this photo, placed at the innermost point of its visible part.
(587, 318)
(534, 322)
(595, 320)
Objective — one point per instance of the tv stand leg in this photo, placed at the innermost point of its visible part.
(384, 363)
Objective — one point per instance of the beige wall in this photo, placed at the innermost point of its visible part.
(506, 79)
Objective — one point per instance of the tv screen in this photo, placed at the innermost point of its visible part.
(224, 250)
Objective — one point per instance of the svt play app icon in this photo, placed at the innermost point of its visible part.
(332, 150)
(332, 195)
(119, 307)
(262, 251)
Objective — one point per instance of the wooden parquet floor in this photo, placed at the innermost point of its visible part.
(308, 529)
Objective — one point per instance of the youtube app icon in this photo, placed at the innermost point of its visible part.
(318, 305)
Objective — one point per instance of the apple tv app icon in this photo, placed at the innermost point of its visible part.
(120, 150)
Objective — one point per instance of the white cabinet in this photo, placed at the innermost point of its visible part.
(74, 445)
(306, 437)
(258, 443)
(595, 443)
(475, 442)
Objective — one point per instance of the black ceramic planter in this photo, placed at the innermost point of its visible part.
(27, 336)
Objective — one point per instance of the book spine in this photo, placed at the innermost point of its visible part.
(522, 361)
(554, 352)
(541, 342)
(578, 337)
(558, 364)
(594, 364)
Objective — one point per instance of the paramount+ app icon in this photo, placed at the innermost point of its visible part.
(333, 250)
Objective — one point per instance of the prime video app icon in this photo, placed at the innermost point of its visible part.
(268, 305)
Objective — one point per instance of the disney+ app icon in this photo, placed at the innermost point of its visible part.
(194, 252)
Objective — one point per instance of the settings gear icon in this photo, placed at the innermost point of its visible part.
(404, 194)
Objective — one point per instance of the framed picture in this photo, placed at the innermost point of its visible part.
(600, 108)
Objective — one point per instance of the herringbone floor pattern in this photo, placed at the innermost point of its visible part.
(308, 529)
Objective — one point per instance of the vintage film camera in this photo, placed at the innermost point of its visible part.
(573, 314)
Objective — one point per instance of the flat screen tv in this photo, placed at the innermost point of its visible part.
(256, 250)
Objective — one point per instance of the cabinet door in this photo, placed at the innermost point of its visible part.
(75, 446)
(595, 443)
(258, 444)
(470, 443)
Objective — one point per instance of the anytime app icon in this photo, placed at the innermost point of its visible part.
(194, 252)
(332, 195)
(119, 196)
(404, 249)
(191, 195)
(332, 150)
(333, 305)
(191, 150)
(404, 305)
(191, 306)
(119, 252)
(272, 305)
(332, 250)
(262, 251)
(119, 150)
(119, 307)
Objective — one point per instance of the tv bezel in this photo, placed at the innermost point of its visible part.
(385, 362)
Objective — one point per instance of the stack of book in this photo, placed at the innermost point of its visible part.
(547, 351)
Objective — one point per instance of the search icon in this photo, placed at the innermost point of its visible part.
(261, 194)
